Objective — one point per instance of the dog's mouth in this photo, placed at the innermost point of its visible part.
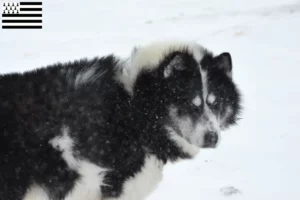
(212, 146)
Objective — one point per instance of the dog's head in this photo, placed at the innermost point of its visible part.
(190, 87)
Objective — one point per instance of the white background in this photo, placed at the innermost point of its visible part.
(259, 157)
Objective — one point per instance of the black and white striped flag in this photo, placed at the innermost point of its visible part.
(22, 15)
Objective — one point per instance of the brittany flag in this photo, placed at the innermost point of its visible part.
(22, 15)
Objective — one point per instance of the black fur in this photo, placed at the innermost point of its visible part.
(219, 83)
(110, 127)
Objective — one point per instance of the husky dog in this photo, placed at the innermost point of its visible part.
(103, 128)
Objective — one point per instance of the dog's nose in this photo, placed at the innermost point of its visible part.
(210, 139)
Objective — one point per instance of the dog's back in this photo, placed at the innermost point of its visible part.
(33, 107)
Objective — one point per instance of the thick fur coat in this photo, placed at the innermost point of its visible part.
(103, 128)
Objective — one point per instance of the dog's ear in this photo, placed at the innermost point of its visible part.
(176, 63)
(224, 62)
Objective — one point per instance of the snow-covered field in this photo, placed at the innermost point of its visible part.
(259, 157)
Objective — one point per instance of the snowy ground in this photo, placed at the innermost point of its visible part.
(259, 157)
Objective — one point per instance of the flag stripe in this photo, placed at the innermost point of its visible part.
(21, 27)
(30, 12)
(30, 9)
(22, 24)
(31, 6)
(21, 18)
(30, 3)
(21, 15)
(21, 21)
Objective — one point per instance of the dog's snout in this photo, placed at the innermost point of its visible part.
(210, 139)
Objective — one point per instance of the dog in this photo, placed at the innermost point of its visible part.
(103, 128)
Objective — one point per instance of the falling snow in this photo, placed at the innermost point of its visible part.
(257, 157)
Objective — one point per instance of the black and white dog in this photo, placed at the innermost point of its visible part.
(102, 129)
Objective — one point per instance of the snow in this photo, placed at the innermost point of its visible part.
(256, 159)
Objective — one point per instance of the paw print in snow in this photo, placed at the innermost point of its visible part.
(229, 191)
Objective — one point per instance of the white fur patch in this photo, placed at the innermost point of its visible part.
(85, 76)
(91, 175)
(204, 83)
(88, 186)
(144, 182)
(197, 101)
(167, 73)
(88, 74)
(211, 99)
(35, 192)
(149, 56)
(64, 143)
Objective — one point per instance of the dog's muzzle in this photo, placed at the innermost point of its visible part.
(210, 140)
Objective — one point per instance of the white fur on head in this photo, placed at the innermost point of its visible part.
(192, 134)
(149, 57)
(188, 148)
